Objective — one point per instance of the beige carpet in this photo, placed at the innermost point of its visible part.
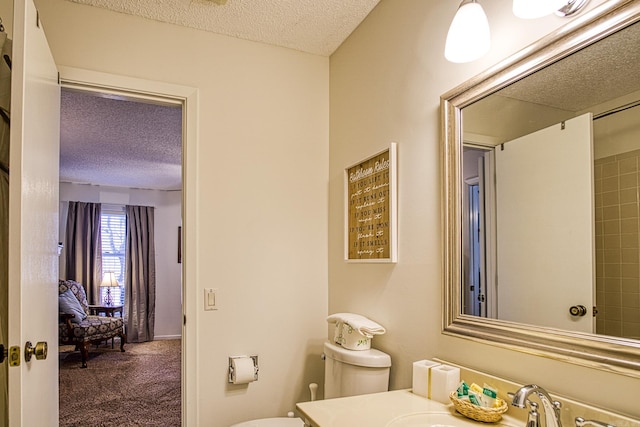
(140, 387)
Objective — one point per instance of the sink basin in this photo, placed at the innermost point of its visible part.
(437, 419)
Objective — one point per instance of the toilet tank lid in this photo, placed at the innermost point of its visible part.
(371, 358)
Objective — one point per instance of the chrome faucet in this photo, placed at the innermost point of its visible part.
(581, 422)
(551, 407)
(534, 417)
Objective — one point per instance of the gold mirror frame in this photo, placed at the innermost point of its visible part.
(596, 351)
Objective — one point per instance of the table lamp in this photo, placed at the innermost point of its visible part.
(109, 281)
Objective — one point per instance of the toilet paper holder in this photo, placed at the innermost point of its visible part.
(231, 369)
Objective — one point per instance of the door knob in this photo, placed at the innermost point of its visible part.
(40, 350)
(578, 310)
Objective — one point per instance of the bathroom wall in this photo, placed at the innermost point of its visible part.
(269, 163)
(617, 229)
(617, 133)
(259, 200)
(168, 217)
(386, 82)
(617, 245)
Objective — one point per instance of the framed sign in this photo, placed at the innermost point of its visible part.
(370, 222)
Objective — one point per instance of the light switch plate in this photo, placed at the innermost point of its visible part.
(210, 299)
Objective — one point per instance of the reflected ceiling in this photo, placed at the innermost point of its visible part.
(557, 93)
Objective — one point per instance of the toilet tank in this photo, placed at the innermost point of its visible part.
(354, 372)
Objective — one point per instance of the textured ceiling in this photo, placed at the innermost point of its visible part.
(120, 143)
(115, 142)
(313, 26)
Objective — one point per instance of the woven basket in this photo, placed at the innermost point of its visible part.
(478, 413)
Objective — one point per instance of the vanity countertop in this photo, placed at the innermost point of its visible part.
(379, 410)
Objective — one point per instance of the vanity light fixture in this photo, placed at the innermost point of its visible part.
(469, 36)
(570, 7)
(531, 9)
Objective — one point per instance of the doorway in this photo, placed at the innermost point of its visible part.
(115, 151)
(118, 88)
(479, 295)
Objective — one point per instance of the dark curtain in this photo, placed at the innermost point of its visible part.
(140, 274)
(83, 261)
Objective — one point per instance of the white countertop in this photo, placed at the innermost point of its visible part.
(386, 409)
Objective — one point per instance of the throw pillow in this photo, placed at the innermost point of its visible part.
(69, 304)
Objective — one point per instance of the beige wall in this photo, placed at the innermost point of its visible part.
(168, 205)
(386, 81)
(260, 203)
(618, 133)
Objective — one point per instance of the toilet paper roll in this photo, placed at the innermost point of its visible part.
(444, 379)
(243, 370)
(422, 377)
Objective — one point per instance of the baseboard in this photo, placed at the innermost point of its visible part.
(167, 337)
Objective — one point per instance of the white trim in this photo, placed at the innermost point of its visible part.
(166, 337)
(96, 81)
(481, 140)
(188, 97)
(472, 181)
(113, 208)
(490, 225)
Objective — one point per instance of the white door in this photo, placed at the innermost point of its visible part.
(545, 226)
(33, 221)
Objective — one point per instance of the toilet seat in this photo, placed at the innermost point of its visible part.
(272, 422)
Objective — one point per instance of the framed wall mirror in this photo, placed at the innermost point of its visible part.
(541, 197)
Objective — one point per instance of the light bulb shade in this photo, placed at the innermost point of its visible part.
(531, 9)
(469, 37)
(109, 280)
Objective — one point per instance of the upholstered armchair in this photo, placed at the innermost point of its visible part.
(77, 327)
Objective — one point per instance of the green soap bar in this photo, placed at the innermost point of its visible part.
(489, 392)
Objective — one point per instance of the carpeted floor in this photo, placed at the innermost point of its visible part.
(140, 387)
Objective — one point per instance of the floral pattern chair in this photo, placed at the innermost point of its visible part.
(77, 327)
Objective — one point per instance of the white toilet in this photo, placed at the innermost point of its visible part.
(346, 373)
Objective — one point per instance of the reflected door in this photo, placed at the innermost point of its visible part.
(544, 199)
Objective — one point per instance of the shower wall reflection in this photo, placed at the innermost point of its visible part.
(617, 223)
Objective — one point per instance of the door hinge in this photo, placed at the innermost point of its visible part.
(184, 319)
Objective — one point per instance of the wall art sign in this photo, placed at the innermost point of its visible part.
(370, 189)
